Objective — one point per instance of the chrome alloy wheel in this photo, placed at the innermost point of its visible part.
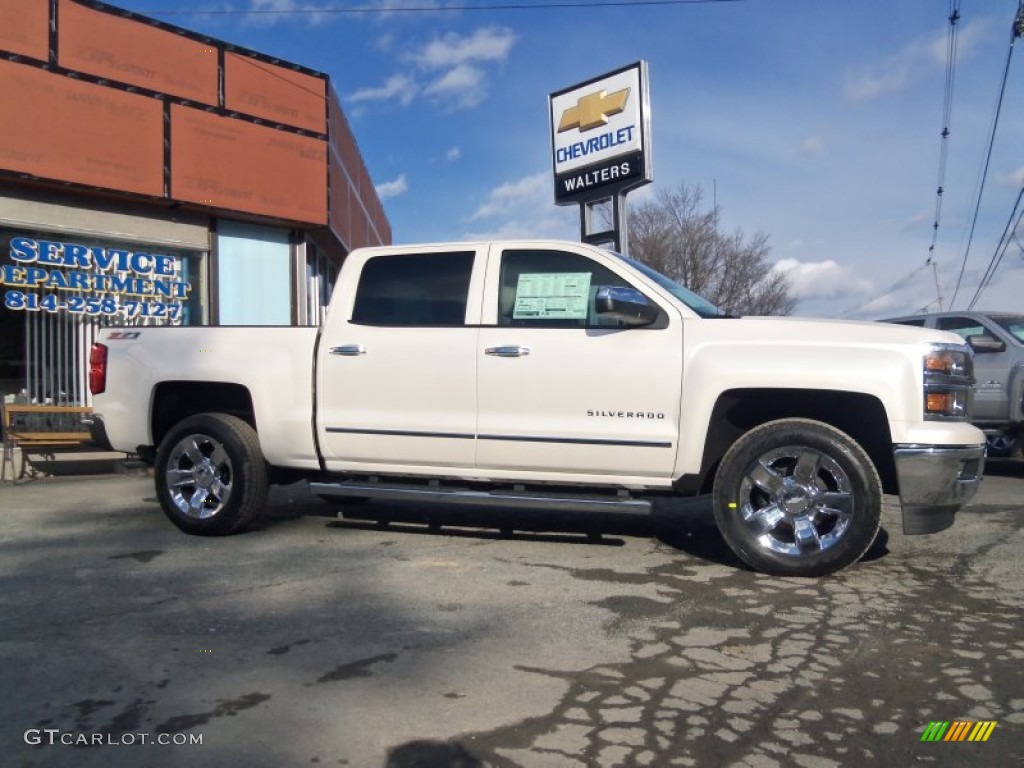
(199, 476)
(796, 501)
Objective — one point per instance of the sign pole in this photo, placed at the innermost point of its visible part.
(590, 214)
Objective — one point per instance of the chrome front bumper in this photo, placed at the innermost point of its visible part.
(935, 481)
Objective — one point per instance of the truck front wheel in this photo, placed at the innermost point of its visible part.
(211, 477)
(797, 497)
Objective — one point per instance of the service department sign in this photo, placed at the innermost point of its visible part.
(600, 135)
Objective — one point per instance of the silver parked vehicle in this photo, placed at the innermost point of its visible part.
(997, 339)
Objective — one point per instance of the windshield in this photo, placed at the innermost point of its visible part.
(698, 304)
(1012, 324)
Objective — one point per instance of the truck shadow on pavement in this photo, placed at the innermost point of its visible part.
(685, 525)
(1004, 467)
(432, 754)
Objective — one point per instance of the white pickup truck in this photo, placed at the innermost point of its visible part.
(555, 375)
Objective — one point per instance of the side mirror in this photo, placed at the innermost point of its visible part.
(984, 343)
(626, 305)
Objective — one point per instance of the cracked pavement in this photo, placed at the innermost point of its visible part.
(431, 638)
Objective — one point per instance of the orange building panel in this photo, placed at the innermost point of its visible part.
(383, 228)
(365, 205)
(221, 162)
(128, 51)
(338, 126)
(341, 202)
(342, 140)
(274, 93)
(79, 132)
(25, 28)
(362, 231)
(365, 186)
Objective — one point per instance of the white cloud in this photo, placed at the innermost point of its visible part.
(391, 8)
(1013, 178)
(867, 86)
(450, 70)
(462, 82)
(268, 12)
(452, 50)
(524, 208)
(917, 220)
(511, 195)
(555, 224)
(397, 87)
(462, 87)
(813, 146)
(392, 188)
(918, 58)
(453, 154)
(821, 279)
(315, 12)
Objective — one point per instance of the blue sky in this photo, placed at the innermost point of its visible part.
(815, 122)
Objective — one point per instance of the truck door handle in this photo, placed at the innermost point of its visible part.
(349, 350)
(509, 351)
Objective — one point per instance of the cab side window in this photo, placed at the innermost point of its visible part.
(963, 326)
(414, 290)
(552, 289)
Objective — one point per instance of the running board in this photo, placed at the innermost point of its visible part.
(497, 498)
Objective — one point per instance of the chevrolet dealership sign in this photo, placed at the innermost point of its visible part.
(600, 136)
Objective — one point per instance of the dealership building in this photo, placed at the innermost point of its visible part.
(150, 175)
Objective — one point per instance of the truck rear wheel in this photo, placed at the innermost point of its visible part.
(211, 477)
(797, 497)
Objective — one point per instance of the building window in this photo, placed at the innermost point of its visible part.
(57, 291)
(254, 275)
(320, 276)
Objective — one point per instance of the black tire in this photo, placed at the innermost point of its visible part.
(1002, 445)
(797, 497)
(211, 477)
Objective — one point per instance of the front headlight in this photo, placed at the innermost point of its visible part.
(948, 382)
(950, 360)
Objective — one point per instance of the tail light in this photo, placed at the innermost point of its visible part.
(98, 368)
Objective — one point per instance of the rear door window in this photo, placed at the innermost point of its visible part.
(414, 290)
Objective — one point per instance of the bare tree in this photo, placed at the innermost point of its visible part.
(681, 238)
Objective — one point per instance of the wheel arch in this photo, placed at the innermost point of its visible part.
(174, 401)
(737, 411)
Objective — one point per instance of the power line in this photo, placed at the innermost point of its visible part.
(1009, 234)
(947, 113)
(906, 279)
(1017, 31)
(432, 9)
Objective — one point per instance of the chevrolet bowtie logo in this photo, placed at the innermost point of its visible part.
(593, 110)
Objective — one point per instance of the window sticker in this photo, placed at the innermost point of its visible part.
(552, 296)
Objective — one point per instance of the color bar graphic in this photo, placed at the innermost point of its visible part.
(958, 730)
(935, 731)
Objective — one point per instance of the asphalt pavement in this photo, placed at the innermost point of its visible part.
(441, 638)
